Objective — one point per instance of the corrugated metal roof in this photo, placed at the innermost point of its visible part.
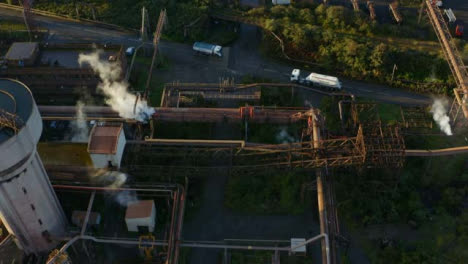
(21, 50)
(140, 209)
(104, 139)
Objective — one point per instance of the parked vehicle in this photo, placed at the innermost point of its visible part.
(207, 49)
(438, 3)
(130, 51)
(315, 79)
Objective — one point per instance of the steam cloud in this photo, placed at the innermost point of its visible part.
(79, 126)
(284, 137)
(439, 113)
(116, 179)
(115, 90)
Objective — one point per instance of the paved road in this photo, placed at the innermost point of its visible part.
(242, 59)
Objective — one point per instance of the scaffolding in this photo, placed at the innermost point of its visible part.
(416, 119)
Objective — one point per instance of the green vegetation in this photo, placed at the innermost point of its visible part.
(139, 76)
(422, 203)
(256, 257)
(11, 26)
(272, 192)
(337, 39)
(188, 19)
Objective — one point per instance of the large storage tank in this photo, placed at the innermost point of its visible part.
(28, 205)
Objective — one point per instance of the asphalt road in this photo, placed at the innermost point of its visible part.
(242, 59)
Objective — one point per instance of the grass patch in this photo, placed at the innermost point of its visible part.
(222, 33)
(53, 153)
(11, 26)
(275, 192)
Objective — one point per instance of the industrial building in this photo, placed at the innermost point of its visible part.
(29, 208)
(106, 145)
(22, 54)
(141, 216)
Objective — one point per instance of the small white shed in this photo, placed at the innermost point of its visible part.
(106, 145)
(139, 215)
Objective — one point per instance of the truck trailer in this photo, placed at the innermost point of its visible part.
(315, 79)
(207, 49)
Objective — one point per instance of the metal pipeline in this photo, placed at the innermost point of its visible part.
(189, 244)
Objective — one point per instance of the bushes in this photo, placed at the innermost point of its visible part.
(346, 42)
(269, 193)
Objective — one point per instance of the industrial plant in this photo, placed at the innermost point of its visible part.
(148, 137)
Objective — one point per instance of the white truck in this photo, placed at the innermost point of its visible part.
(316, 79)
(207, 49)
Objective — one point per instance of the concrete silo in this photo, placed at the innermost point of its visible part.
(28, 205)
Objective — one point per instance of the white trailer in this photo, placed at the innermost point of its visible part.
(316, 79)
(207, 49)
(324, 80)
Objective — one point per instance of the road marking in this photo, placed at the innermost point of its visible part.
(270, 70)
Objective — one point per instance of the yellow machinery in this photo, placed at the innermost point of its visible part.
(147, 249)
(61, 259)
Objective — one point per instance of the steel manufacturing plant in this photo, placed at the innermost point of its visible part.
(210, 132)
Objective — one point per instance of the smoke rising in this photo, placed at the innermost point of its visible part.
(114, 180)
(284, 137)
(79, 126)
(116, 91)
(439, 113)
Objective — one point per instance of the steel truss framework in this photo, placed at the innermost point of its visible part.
(174, 92)
(415, 118)
(385, 146)
(332, 153)
(454, 60)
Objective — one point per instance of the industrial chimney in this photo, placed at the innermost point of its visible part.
(28, 205)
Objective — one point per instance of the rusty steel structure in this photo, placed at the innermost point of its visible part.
(230, 91)
(157, 35)
(60, 80)
(174, 92)
(415, 119)
(370, 6)
(254, 114)
(52, 80)
(169, 156)
(27, 16)
(394, 9)
(453, 57)
(355, 4)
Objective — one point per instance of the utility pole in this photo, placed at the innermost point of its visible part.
(144, 24)
(27, 15)
(320, 190)
(421, 9)
(157, 36)
(393, 72)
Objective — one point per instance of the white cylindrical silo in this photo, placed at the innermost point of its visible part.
(28, 205)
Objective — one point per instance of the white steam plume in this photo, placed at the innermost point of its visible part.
(284, 137)
(114, 180)
(439, 113)
(115, 90)
(80, 130)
